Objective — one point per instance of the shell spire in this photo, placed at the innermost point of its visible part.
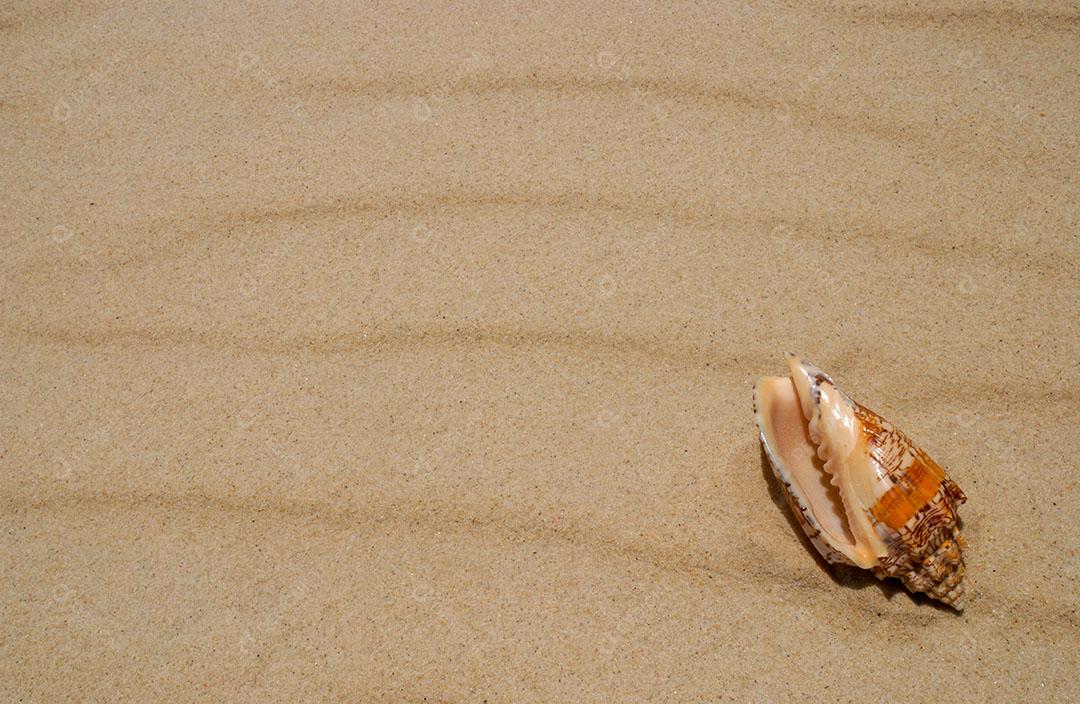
(864, 493)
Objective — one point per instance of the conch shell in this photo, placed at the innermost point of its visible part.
(864, 493)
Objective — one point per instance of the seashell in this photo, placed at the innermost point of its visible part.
(865, 494)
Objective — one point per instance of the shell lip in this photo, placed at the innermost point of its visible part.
(829, 424)
(802, 503)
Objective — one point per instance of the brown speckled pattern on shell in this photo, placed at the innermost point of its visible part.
(924, 552)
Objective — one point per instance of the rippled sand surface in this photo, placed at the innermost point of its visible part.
(405, 354)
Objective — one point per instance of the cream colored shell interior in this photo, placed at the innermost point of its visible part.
(811, 431)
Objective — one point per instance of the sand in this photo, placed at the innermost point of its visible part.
(364, 354)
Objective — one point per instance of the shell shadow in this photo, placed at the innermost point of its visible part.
(843, 575)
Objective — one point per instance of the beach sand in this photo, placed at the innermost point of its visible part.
(406, 353)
